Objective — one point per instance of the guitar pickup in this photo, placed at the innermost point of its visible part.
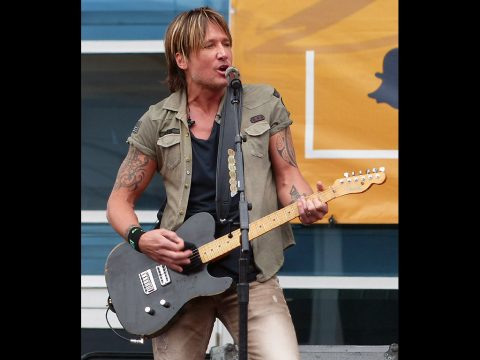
(163, 275)
(147, 281)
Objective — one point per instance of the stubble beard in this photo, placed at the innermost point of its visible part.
(210, 84)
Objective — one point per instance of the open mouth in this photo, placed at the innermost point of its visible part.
(223, 68)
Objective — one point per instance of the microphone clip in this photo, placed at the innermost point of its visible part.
(190, 122)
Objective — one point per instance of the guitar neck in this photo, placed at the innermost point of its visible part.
(223, 245)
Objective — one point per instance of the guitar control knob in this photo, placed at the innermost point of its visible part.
(149, 310)
(164, 303)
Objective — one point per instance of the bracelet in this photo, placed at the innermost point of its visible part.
(134, 236)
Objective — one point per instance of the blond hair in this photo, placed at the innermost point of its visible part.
(186, 34)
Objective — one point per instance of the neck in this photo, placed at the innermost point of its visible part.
(201, 109)
(206, 99)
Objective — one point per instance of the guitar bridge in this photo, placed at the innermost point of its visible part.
(147, 281)
(163, 275)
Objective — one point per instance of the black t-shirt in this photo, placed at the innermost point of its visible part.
(202, 199)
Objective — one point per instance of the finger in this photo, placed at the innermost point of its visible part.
(320, 186)
(183, 261)
(172, 241)
(172, 236)
(167, 245)
(180, 263)
(171, 263)
(311, 209)
(303, 212)
(177, 256)
(301, 205)
(325, 208)
(320, 206)
(177, 266)
(173, 266)
(310, 206)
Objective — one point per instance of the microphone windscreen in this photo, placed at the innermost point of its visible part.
(233, 71)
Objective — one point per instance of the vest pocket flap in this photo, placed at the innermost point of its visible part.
(258, 128)
(169, 140)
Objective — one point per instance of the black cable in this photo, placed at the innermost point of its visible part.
(134, 341)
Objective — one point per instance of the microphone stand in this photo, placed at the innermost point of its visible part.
(243, 206)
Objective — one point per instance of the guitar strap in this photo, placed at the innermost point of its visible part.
(226, 142)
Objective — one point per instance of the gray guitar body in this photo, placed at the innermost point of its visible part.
(147, 296)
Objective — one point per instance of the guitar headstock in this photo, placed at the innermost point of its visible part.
(357, 183)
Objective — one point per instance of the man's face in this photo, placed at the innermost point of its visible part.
(206, 67)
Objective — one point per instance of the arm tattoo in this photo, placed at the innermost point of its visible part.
(285, 147)
(132, 171)
(294, 194)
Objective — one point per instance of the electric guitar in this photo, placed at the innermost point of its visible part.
(146, 296)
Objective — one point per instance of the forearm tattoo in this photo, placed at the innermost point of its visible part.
(132, 170)
(294, 194)
(285, 148)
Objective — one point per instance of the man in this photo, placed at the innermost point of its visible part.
(178, 137)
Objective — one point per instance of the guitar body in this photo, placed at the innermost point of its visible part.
(136, 283)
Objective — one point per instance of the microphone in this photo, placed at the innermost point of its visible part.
(233, 77)
(190, 122)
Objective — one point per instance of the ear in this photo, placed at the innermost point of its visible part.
(182, 62)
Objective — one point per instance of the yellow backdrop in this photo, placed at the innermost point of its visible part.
(325, 58)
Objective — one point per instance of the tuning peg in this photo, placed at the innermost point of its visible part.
(368, 171)
(345, 174)
(382, 169)
(353, 173)
(360, 172)
(374, 170)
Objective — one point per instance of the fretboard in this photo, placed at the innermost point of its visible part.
(223, 245)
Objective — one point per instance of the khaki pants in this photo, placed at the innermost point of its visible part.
(271, 335)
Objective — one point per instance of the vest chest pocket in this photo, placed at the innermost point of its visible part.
(258, 139)
(170, 148)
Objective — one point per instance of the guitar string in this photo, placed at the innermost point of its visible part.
(331, 191)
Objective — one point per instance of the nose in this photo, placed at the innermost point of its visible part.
(221, 52)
